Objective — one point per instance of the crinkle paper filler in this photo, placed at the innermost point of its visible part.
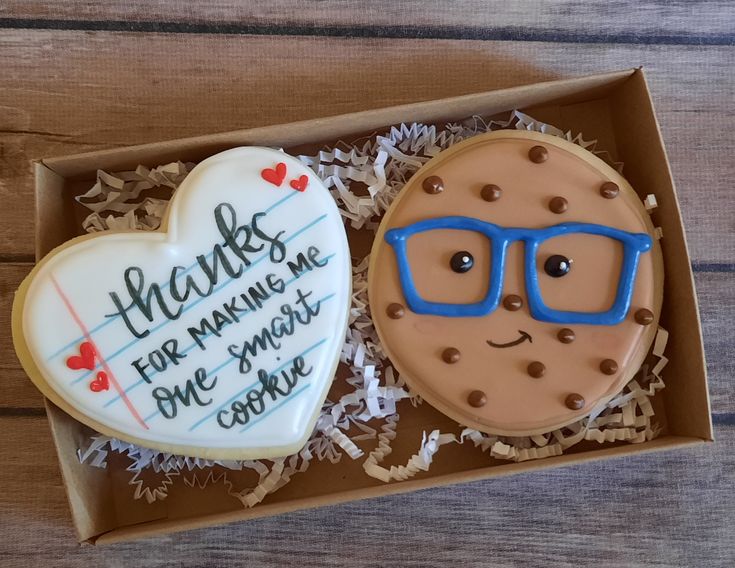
(363, 177)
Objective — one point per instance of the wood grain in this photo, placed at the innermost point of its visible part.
(223, 65)
(74, 102)
(670, 509)
(17, 394)
(643, 21)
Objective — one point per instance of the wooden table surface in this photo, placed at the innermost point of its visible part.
(76, 78)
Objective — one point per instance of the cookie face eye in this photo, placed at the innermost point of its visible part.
(557, 265)
(462, 261)
(579, 272)
(439, 270)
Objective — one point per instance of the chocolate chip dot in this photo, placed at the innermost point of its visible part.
(477, 399)
(491, 192)
(608, 366)
(574, 401)
(566, 335)
(512, 302)
(395, 311)
(433, 185)
(644, 316)
(450, 355)
(538, 154)
(609, 190)
(536, 369)
(558, 205)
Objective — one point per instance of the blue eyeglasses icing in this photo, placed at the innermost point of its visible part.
(500, 237)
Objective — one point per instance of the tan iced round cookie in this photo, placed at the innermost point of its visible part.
(507, 372)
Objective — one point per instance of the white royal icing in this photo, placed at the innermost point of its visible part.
(211, 390)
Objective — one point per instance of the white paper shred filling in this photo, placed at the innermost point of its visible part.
(379, 165)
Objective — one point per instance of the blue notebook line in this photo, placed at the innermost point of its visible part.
(286, 400)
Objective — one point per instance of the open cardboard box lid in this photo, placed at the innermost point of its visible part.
(614, 108)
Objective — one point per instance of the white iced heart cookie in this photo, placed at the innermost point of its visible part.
(217, 336)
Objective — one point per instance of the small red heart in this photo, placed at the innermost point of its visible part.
(274, 176)
(101, 383)
(86, 361)
(301, 183)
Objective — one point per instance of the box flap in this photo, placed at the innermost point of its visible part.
(87, 488)
(335, 127)
(641, 149)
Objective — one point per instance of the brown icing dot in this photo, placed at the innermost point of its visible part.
(558, 205)
(644, 316)
(512, 302)
(491, 192)
(538, 154)
(536, 369)
(395, 311)
(450, 355)
(477, 399)
(574, 401)
(566, 335)
(433, 185)
(609, 190)
(608, 366)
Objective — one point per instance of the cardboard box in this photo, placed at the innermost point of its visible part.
(615, 108)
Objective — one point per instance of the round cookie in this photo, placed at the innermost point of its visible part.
(217, 336)
(516, 282)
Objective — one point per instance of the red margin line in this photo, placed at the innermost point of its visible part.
(105, 366)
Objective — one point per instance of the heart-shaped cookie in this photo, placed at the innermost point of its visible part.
(217, 336)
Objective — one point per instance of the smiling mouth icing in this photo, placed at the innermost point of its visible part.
(523, 336)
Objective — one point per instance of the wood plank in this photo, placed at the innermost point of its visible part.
(668, 509)
(716, 294)
(17, 393)
(716, 297)
(642, 21)
(72, 101)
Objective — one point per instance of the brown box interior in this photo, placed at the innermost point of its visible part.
(614, 108)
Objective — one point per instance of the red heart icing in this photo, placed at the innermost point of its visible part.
(86, 361)
(301, 183)
(101, 383)
(274, 176)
